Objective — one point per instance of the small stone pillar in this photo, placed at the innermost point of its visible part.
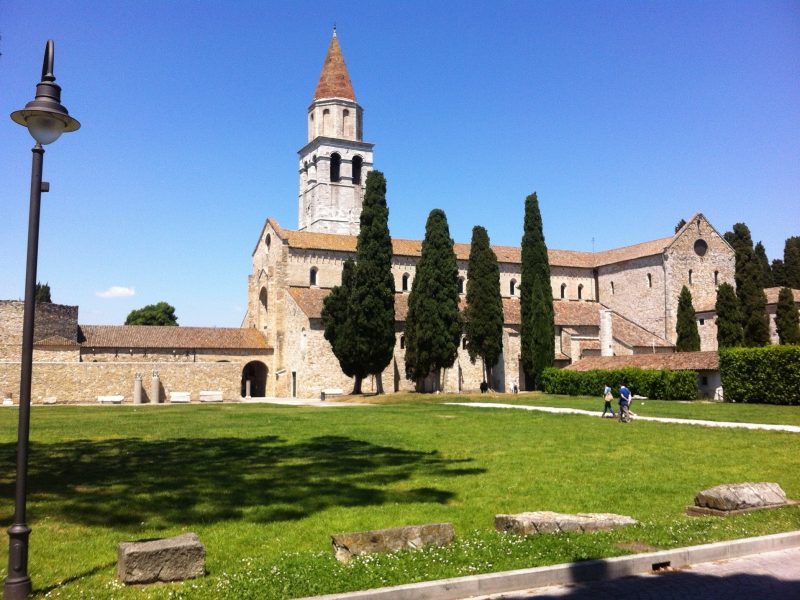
(137, 388)
(247, 388)
(155, 389)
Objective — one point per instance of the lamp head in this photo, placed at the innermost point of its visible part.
(44, 116)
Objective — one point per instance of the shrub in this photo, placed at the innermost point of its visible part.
(770, 375)
(656, 384)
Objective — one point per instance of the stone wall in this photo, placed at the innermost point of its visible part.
(50, 320)
(709, 268)
(635, 289)
(83, 382)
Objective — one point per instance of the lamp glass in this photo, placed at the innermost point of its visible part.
(44, 128)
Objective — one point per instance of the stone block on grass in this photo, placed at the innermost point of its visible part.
(736, 498)
(167, 559)
(412, 537)
(541, 522)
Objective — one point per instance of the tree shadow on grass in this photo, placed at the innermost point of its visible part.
(161, 483)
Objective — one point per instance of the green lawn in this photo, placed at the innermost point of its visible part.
(265, 486)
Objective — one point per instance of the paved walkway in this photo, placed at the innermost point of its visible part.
(301, 402)
(589, 413)
(771, 575)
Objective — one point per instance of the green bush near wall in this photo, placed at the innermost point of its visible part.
(656, 384)
(768, 375)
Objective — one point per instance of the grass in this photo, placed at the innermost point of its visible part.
(265, 486)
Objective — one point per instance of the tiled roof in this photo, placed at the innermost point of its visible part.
(334, 81)
(155, 336)
(576, 313)
(56, 340)
(505, 254)
(676, 361)
(772, 295)
(633, 335)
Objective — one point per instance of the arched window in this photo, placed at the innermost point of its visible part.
(580, 291)
(357, 162)
(464, 342)
(563, 290)
(512, 287)
(268, 240)
(312, 276)
(460, 285)
(336, 166)
(402, 342)
(612, 288)
(347, 124)
(716, 277)
(326, 123)
(690, 277)
(649, 280)
(405, 282)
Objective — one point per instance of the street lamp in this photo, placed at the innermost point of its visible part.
(46, 119)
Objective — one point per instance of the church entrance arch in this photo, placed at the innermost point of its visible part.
(256, 373)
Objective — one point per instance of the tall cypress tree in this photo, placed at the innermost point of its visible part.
(41, 293)
(763, 263)
(748, 278)
(679, 224)
(339, 326)
(729, 318)
(787, 319)
(686, 327)
(778, 273)
(433, 323)
(537, 330)
(791, 262)
(372, 297)
(483, 324)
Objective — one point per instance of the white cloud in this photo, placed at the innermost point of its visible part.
(116, 291)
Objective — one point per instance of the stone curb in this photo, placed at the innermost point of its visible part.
(460, 588)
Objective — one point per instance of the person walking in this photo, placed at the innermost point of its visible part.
(624, 403)
(607, 396)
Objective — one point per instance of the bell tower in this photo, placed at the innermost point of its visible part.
(335, 161)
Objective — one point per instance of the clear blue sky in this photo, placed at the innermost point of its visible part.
(624, 116)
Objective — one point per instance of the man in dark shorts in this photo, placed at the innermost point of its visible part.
(624, 403)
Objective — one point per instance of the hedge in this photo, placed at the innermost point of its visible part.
(770, 374)
(656, 384)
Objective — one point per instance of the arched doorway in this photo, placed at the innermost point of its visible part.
(256, 373)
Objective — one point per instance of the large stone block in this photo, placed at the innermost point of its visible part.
(412, 537)
(741, 496)
(532, 523)
(168, 559)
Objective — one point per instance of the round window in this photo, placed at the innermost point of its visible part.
(700, 247)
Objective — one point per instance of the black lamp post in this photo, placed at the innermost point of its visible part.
(46, 119)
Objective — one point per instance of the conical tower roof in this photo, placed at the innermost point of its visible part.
(334, 82)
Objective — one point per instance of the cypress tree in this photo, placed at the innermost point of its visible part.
(537, 330)
(41, 293)
(787, 319)
(748, 277)
(339, 327)
(679, 224)
(686, 327)
(729, 318)
(371, 304)
(433, 323)
(763, 263)
(778, 273)
(791, 262)
(483, 317)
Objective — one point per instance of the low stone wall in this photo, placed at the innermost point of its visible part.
(83, 382)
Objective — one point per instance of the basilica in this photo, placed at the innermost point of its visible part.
(618, 302)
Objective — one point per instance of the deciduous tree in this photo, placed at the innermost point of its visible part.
(483, 323)
(153, 314)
